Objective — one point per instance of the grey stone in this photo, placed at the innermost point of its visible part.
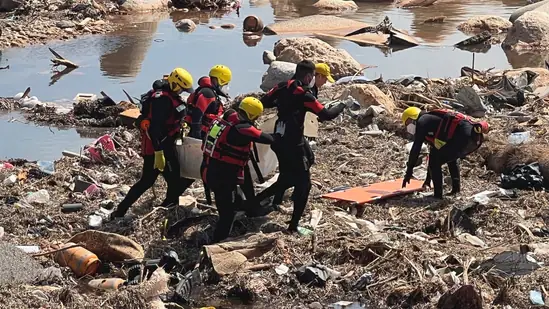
(64, 24)
(277, 72)
(268, 57)
(17, 266)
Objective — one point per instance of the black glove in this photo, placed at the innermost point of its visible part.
(406, 180)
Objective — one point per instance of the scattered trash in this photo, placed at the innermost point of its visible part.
(518, 138)
(473, 240)
(364, 280)
(47, 167)
(316, 274)
(95, 221)
(29, 249)
(536, 298)
(282, 269)
(81, 261)
(304, 231)
(39, 197)
(67, 208)
(523, 177)
(1, 232)
(510, 264)
(106, 284)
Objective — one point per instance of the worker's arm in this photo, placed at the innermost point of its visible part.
(254, 134)
(314, 106)
(269, 99)
(160, 112)
(419, 138)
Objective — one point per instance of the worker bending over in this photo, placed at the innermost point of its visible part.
(227, 149)
(205, 103)
(450, 135)
(159, 123)
(293, 99)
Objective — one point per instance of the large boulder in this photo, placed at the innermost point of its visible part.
(277, 72)
(485, 23)
(540, 5)
(297, 49)
(530, 31)
(185, 25)
(414, 3)
(143, 5)
(336, 5)
(367, 95)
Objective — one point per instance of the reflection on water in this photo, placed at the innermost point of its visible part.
(126, 57)
(31, 142)
(526, 59)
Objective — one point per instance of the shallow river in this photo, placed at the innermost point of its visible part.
(149, 46)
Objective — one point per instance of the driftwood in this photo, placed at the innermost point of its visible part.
(59, 60)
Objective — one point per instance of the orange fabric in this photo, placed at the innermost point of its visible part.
(377, 191)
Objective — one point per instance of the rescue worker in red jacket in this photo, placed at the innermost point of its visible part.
(205, 104)
(161, 112)
(450, 135)
(292, 100)
(227, 150)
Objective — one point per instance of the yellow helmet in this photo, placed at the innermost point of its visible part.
(180, 80)
(222, 73)
(410, 113)
(252, 107)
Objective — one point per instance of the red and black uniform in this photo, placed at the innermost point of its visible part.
(204, 106)
(227, 150)
(292, 102)
(163, 109)
(451, 136)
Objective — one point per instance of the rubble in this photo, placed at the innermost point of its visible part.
(409, 251)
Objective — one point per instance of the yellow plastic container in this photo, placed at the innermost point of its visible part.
(80, 260)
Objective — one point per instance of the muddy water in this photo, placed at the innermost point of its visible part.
(149, 46)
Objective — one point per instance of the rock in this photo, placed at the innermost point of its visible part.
(212, 27)
(315, 305)
(485, 22)
(530, 31)
(367, 95)
(9, 5)
(277, 72)
(297, 49)
(460, 297)
(336, 5)
(185, 25)
(228, 26)
(144, 5)
(414, 3)
(64, 24)
(268, 57)
(527, 8)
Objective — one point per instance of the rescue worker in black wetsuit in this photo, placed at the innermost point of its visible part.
(159, 123)
(227, 150)
(322, 75)
(450, 135)
(204, 104)
(292, 100)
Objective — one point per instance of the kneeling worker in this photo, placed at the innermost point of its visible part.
(450, 135)
(227, 149)
(159, 123)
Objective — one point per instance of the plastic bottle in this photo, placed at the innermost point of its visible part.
(81, 261)
(107, 284)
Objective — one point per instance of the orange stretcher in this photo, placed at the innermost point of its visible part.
(377, 191)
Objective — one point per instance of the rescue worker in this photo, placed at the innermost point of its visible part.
(450, 135)
(227, 149)
(293, 99)
(205, 103)
(322, 75)
(159, 123)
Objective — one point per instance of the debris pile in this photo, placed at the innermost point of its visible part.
(486, 246)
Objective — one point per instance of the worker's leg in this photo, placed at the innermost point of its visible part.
(225, 199)
(148, 177)
(248, 186)
(283, 182)
(453, 167)
(435, 169)
(300, 197)
(176, 184)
